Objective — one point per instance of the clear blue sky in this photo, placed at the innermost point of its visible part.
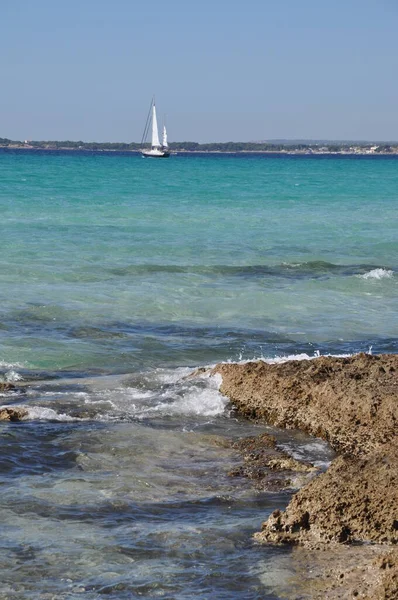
(220, 69)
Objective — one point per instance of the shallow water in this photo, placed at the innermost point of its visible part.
(119, 276)
(119, 486)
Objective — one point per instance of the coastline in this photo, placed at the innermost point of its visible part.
(276, 153)
(343, 523)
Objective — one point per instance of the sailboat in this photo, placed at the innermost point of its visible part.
(157, 149)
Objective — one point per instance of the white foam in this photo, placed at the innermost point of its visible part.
(7, 365)
(173, 394)
(317, 452)
(378, 274)
(185, 397)
(285, 358)
(12, 376)
(303, 356)
(40, 413)
(206, 403)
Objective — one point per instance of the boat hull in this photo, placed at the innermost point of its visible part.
(155, 154)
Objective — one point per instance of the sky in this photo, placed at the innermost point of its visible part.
(221, 70)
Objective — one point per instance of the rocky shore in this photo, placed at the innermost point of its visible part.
(342, 524)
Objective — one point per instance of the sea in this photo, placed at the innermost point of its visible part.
(119, 277)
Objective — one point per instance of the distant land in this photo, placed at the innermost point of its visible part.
(268, 146)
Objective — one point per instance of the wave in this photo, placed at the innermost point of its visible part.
(156, 394)
(149, 396)
(11, 376)
(379, 273)
(316, 451)
(303, 356)
(11, 365)
(297, 270)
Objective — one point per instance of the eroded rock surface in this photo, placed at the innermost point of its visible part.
(355, 500)
(350, 402)
(269, 467)
(353, 404)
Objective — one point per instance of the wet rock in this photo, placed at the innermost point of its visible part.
(387, 588)
(355, 500)
(12, 414)
(6, 386)
(269, 467)
(348, 572)
(350, 402)
(197, 373)
(353, 404)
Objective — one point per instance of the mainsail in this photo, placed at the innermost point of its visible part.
(155, 134)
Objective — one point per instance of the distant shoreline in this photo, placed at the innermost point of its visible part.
(271, 147)
(279, 153)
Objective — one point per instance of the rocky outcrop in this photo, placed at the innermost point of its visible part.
(353, 404)
(8, 413)
(355, 500)
(350, 402)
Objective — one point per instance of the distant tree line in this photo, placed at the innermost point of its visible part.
(196, 147)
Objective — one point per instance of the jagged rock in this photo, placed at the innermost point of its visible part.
(355, 500)
(8, 413)
(353, 404)
(350, 402)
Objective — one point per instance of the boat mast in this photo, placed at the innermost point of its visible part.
(147, 123)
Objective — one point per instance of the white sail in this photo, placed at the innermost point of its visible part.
(155, 133)
(165, 144)
(156, 150)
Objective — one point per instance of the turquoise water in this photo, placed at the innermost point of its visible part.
(119, 275)
(100, 252)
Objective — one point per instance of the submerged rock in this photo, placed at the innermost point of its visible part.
(368, 572)
(267, 466)
(6, 386)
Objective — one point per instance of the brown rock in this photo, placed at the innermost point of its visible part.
(365, 572)
(350, 402)
(355, 500)
(12, 414)
(6, 386)
(353, 404)
(269, 467)
(197, 372)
